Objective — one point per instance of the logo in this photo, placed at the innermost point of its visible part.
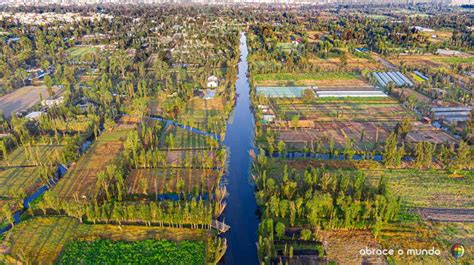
(457, 250)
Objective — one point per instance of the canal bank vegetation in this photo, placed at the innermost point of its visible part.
(296, 206)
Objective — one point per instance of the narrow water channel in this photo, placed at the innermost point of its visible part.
(241, 209)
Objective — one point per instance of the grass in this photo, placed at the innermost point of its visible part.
(40, 240)
(32, 156)
(184, 139)
(432, 188)
(305, 76)
(286, 45)
(14, 179)
(455, 60)
(121, 252)
(80, 52)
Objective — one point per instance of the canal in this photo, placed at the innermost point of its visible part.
(241, 211)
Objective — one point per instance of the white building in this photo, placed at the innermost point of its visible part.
(34, 116)
(212, 82)
(52, 102)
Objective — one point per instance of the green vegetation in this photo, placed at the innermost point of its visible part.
(147, 251)
(318, 199)
(456, 60)
(305, 76)
(81, 52)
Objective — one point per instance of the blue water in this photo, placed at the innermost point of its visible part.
(241, 209)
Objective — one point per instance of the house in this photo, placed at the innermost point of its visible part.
(212, 82)
(450, 52)
(34, 116)
(52, 102)
(269, 117)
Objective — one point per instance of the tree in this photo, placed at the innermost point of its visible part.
(305, 234)
(464, 155)
(49, 85)
(280, 229)
(281, 147)
(403, 128)
(308, 95)
(295, 120)
(391, 154)
(7, 213)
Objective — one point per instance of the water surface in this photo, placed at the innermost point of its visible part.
(241, 209)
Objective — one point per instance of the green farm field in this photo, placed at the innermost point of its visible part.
(32, 155)
(456, 60)
(80, 52)
(14, 179)
(305, 76)
(139, 252)
(431, 188)
(179, 138)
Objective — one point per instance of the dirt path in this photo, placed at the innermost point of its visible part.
(385, 63)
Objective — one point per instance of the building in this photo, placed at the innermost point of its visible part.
(212, 82)
(34, 116)
(452, 114)
(52, 102)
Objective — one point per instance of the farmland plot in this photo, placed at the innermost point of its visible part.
(343, 111)
(428, 133)
(434, 188)
(161, 181)
(308, 79)
(81, 178)
(192, 158)
(41, 240)
(363, 135)
(32, 155)
(179, 138)
(14, 179)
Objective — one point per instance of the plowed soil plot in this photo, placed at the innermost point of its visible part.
(160, 181)
(363, 134)
(446, 215)
(340, 111)
(344, 247)
(428, 133)
(81, 178)
(191, 158)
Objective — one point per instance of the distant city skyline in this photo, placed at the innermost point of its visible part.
(84, 2)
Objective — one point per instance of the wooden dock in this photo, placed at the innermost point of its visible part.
(220, 226)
